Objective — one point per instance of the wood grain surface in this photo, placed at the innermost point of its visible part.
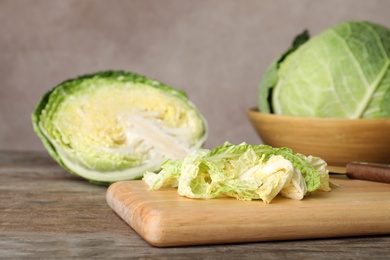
(46, 213)
(164, 218)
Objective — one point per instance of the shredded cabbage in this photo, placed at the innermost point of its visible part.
(244, 172)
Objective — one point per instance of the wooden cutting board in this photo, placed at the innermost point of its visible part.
(163, 218)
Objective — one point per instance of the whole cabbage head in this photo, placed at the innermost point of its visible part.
(343, 72)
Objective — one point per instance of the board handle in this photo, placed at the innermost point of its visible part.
(369, 171)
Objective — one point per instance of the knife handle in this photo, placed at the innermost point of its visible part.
(369, 171)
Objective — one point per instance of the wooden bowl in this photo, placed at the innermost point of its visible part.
(337, 141)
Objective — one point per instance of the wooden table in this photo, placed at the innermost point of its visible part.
(47, 212)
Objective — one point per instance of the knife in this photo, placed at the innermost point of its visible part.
(367, 171)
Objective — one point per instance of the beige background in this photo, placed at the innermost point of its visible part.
(215, 50)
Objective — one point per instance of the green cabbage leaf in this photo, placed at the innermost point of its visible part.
(243, 171)
(115, 125)
(343, 72)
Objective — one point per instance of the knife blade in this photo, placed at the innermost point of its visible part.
(366, 171)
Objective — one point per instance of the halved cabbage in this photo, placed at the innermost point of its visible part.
(115, 125)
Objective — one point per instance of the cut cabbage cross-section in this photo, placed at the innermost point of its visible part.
(115, 125)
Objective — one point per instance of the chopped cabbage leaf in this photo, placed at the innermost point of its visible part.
(243, 171)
